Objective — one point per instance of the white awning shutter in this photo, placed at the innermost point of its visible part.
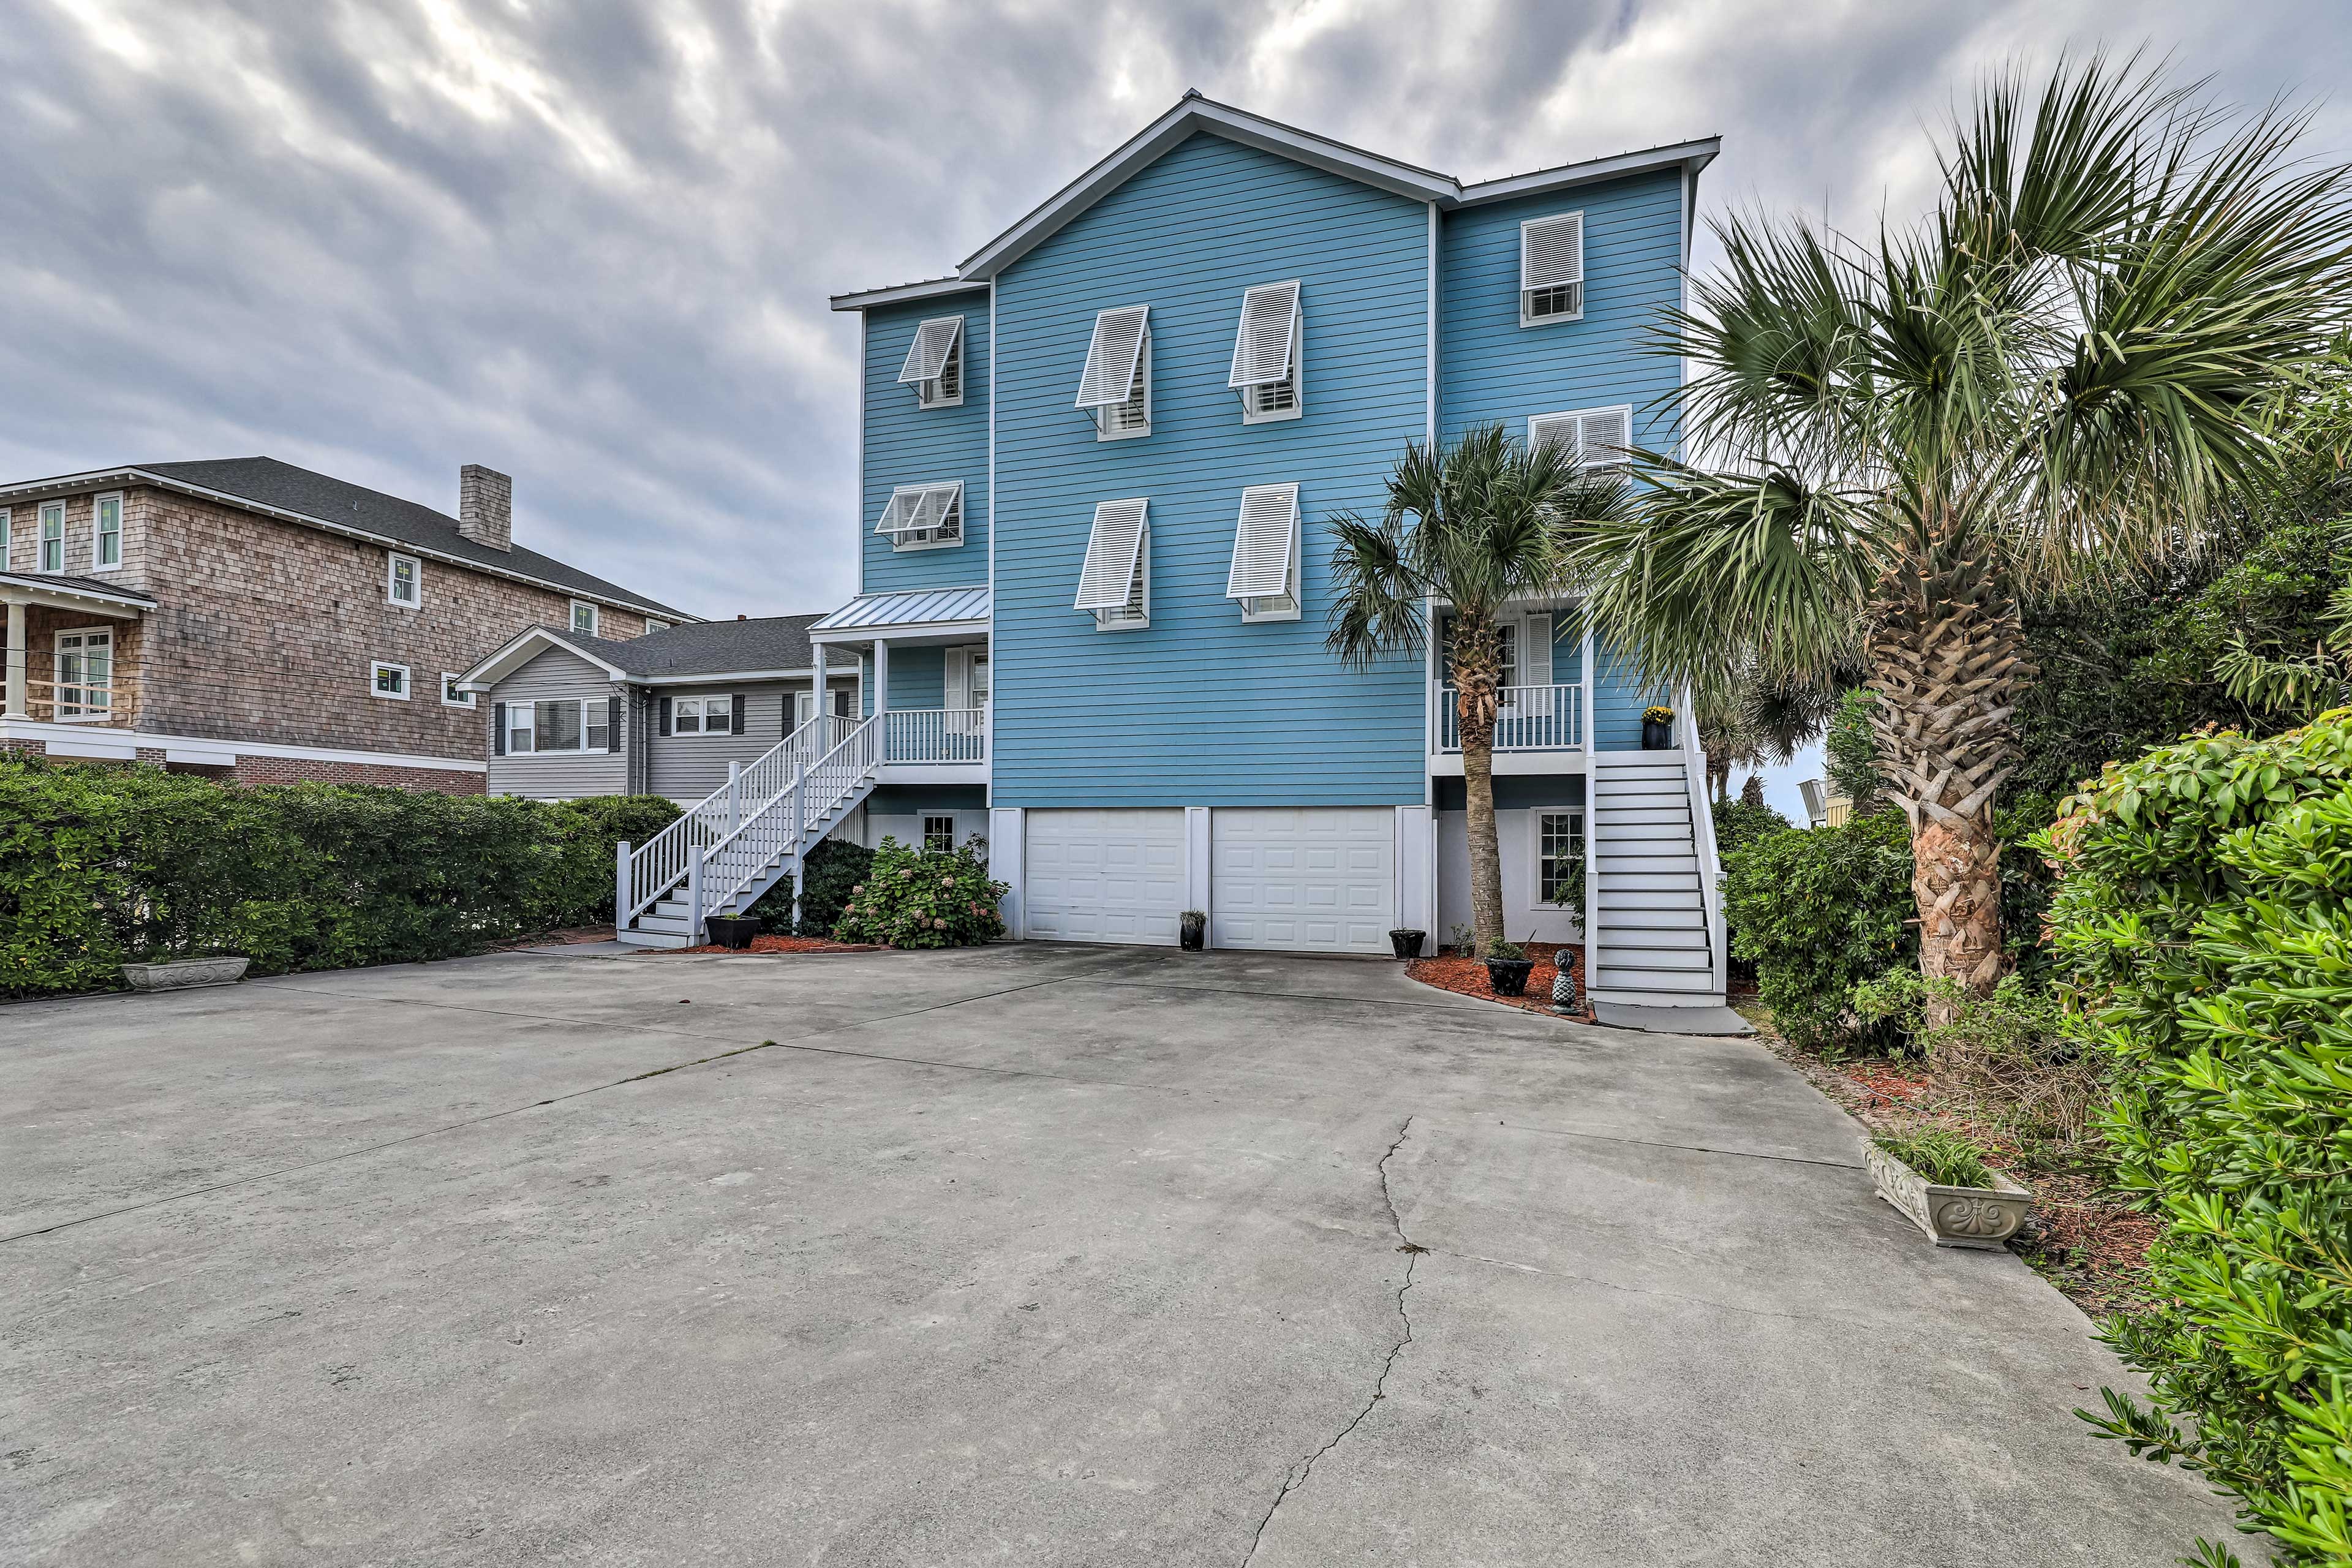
(923, 513)
(1551, 267)
(1594, 438)
(1114, 563)
(1263, 544)
(935, 340)
(1112, 356)
(1264, 348)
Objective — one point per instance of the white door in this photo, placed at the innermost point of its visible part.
(1104, 876)
(1310, 879)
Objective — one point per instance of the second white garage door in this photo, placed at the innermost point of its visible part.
(1104, 876)
(1308, 879)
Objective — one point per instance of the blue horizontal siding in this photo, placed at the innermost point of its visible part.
(907, 445)
(1200, 708)
(1619, 695)
(919, 678)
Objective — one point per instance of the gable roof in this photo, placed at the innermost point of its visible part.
(1194, 113)
(319, 500)
(769, 646)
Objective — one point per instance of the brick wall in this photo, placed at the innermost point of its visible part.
(266, 630)
(253, 770)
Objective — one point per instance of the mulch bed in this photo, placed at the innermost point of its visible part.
(1466, 977)
(786, 945)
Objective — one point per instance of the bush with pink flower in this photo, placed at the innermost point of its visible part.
(911, 898)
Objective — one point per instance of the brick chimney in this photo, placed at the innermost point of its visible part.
(485, 506)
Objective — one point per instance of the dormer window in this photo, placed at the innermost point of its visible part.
(923, 517)
(934, 363)
(1265, 574)
(1266, 353)
(1114, 388)
(1114, 581)
(1596, 437)
(1552, 269)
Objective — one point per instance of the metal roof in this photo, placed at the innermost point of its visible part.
(919, 607)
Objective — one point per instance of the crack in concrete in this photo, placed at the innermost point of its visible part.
(1413, 1253)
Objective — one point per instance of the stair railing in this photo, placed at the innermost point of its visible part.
(1710, 872)
(775, 831)
(652, 869)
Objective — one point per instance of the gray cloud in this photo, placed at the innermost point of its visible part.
(592, 243)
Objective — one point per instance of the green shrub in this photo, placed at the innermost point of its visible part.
(1850, 754)
(1740, 823)
(1947, 1158)
(834, 867)
(909, 899)
(576, 888)
(2203, 930)
(1819, 912)
(2008, 1057)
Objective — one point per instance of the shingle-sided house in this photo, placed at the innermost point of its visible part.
(264, 623)
(1101, 459)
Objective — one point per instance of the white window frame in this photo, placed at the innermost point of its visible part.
(1537, 816)
(450, 699)
(1253, 394)
(931, 817)
(528, 712)
(588, 630)
(42, 538)
(901, 513)
(702, 700)
(654, 624)
(393, 561)
(1624, 411)
(1287, 605)
(7, 537)
(926, 392)
(1106, 412)
(1526, 294)
(98, 535)
(1125, 615)
(83, 713)
(375, 673)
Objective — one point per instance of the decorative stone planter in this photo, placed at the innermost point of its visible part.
(1952, 1217)
(184, 974)
(1193, 931)
(731, 931)
(1508, 976)
(1407, 943)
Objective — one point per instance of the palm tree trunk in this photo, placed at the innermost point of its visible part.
(1477, 663)
(1947, 660)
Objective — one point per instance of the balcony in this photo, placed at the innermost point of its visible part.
(1538, 729)
(935, 745)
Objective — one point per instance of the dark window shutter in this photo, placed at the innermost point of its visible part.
(842, 697)
(735, 715)
(665, 715)
(498, 729)
(613, 723)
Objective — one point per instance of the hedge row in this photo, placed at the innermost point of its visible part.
(102, 866)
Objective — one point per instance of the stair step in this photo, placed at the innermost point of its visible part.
(651, 939)
(1616, 934)
(1690, 982)
(1614, 918)
(1613, 817)
(1638, 996)
(673, 925)
(1648, 849)
(1659, 958)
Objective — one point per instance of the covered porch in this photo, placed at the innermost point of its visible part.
(927, 652)
(70, 658)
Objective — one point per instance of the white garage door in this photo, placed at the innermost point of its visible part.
(1317, 879)
(1104, 876)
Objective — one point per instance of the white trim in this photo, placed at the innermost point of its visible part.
(1699, 152)
(1527, 291)
(34, 591)
(464, 698)
(44, 730)
(572, 619)
(865, 389)
(1536, 814)
(533, 704)
(376, 667)
(864, 299)
(840, 636)
(392, 560)
(97, 533)
(653, 623)
(492, 669)
(1429, 421)
(88, 715)
(992, 450)
(702, 732)
(1624, 410)
(7, 537)
(41, 537)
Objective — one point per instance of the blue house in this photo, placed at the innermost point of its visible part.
(1096, 472)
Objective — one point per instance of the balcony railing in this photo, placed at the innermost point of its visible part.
(1529, 718)
(935, 735)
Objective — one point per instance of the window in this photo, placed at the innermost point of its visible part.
(1266, 353)
(403, 577)
(703, 716)
(653, 625)
(1114, 583)
(388, 680)
(939, 834)
(53, 536)
(575, 724)
(1559, 857)
(106, 549)
(923, 517)
(5, 546)
(595, 725)
(520, 728)
(1114, 388)
(1552, 269)
(934, 363)
(453, 698)
(1598, 437)
(1264, 573)
(583, 617)
(84, 674)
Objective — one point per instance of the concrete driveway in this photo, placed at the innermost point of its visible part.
(1020, 1255)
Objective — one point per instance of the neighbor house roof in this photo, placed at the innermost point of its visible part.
(769, 647)
(1194, 113)
(299, 495)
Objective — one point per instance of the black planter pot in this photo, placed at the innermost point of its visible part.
(1194, 935)
(1508, 976)
(1656, 736)
(1406, 943)
(731, 931)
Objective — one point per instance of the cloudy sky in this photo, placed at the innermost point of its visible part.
(590, 241)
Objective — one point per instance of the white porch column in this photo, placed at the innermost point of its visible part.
(15, 700)
(881, 675)
(821, 705)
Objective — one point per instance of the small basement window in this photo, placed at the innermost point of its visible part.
(1114, 581)
(1552, 269)
(934, 363)
(923, 517)
(1560, 857)
(939, 834)
(404, 581)
(1114, 388)
(1264, 573)
(388, 680)
(1267, 352)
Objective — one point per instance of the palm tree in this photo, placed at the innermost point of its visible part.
(2060, 373)
(1471, 526)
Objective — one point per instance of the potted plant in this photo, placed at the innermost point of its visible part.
(182, 974)
(1407, 941)
(1507, 968)
(1657, 728)
(1193, 930)
(1941, 1180)
(731, 931)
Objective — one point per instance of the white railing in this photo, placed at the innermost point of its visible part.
(1702, 810)
(647, 872)
(1528, 719)
(935, 735)
(776, 832)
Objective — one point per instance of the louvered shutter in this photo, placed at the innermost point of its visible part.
(499, 733)
(1551, 252)
(902, 504)
(927, 354)
(933, 506)
(735, 715)
(1114, 552)
(1565, 429)
(1262, 543)
(612, 723)
(1112, 356)
(665, 718)
(1262, 348)
(1605, 435)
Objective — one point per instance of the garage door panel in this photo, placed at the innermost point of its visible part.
(1103, 875)
(1303, 879)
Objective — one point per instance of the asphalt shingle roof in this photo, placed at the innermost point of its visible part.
(706, 648)
(268, 482)
(84, 584)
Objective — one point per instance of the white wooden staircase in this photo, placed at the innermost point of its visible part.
(1655, 909)
(724, 851)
